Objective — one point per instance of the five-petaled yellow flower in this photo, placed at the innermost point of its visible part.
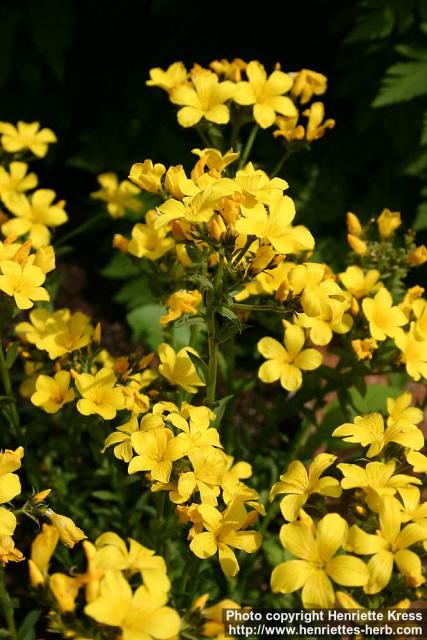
(23, 283)
(318, 563)
(99, 395)
(26, 136)
(53, 392)
(205, 99)
(285, 362)
(178, 368)
(384, 319)
(157, 449)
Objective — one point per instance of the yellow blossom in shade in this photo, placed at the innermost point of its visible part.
(10, 487)
(99, 395)
(231, 70)
(140, 615)
(178, 368)
(400, 410)
(157, 449)
(119, 196)
(65, 590)
(285, 362)
(69, 533)
(317, 125)
(214, 159)
(319, 291)
(376, 480)
(318, 564)
(208, 472)
(45, 259)
(34, 216)
(369, 431)
(384, 319)
(360, 283)
(204, 98)
(354, 226)
(265, 94)
(289, 129)
(122, 438)
(174, 76)
(299, 485)
(53, 392)
(389, 545)
(16, 181)
(307, 84)
(42, 550)
(388, 222)
(148, 241)
(148, 176)
(418, 256)
(276, 226)
(412, 300)
(8, 551)
(419, 309)
(26, 136)
(413, 353)
(214, 626)
(22, 283)
(418, 461)
(224, 531)
(364, 348)
(181, 302)
(358, 245)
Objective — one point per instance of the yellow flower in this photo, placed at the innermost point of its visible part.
(214, 626)
(418, 461)
(208, 471)
(307, 84)
(181, 302)
(353, 224)
(358, 245)
(299, 485)
(266, 94)
(276, 226)
(204, 99)
(22, 283)
(156, 449)
(16, 181)
(8, 551)
(148, 241)
(174, 76)
(376, 480)
(122, 438)
(413, 509)
(223, 531)
(388, 222)
(389, 544)
(42, 549)
(10, 487)
(319, 291)
(400, 410)
(418, 256)
(317, 565)
(119, 196)
(289, 129)
(285, 363)
(148, 176)
(384, 319)
(175, 175)
(360, 283)
(369, 431)
(214, 159)
(414, 354)
(26, 136)
(53, 392)
(65, 590)
(139, 615)
(178, 368)
(69, 534)
(99, 395)
(231, 70)
(33, 217)
(317, 125)
(364, 348)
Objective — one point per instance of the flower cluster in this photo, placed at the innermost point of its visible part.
(376, 548)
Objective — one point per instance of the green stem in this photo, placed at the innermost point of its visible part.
(4, 371)
(249, 144)
(281, 162)
(203, 137)
(7, 606)
(213, 357)
(78, 230)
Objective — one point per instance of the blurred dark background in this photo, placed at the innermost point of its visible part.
(80, 68)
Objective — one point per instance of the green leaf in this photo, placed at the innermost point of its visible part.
(420, 222)
(228, 313)
(402, 82)
(373, 25)
(145, 323)
(424, 129)
(120, 267)
(204, 282)
(27, 630)
(200, 366)
(219, 410)
(135, 293)
(107, 496)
